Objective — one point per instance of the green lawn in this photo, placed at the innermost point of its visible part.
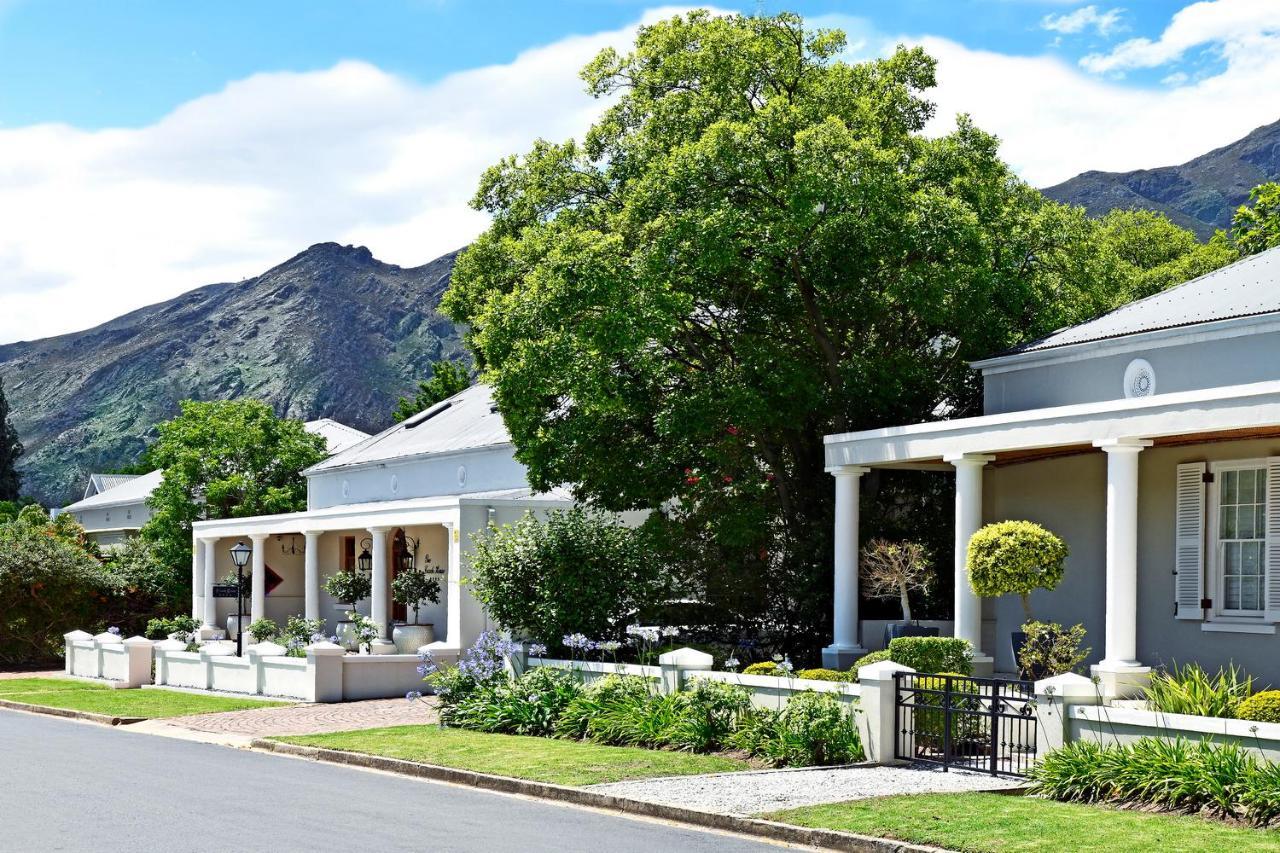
(101, 699)
(996, 823)
(562, 762)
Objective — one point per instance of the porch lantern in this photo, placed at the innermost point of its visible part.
(239, 557)
(364, 562)
(408, 554)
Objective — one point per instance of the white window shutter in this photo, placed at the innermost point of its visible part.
(1188, 552)
(1273, 539)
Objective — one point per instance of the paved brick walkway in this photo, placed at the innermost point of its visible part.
(43, 673)
(314, 719)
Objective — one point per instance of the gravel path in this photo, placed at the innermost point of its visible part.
(771, 790)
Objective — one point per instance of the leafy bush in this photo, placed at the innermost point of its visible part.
(585, 717)
(764, 667)
(349, 587)
(576, 572)
(159, 629)
(930, 714)
(622, 711)
(1191, 690)
(813, 729)
(826, 675)
(482, 666)
(149, 587)
(414, 587)
(529, 705)
(867, 660)
(933, 654)
(299, 633)
(264, 629)
(1051, 649)
(1015, 557)
(1262, 707)
(1224, 779)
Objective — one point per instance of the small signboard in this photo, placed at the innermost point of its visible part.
(224, 591)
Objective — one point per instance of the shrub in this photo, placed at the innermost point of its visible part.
(264, 629)
(764, 667)
(1051, 649)
(299, 633)
(930, 715)
(349, 587)
(1263, 707)
(528, 705)
(482, 666)
(149, 588)
(414, 587)
(706, 714)
(159, 629)
(1015, 557)
(1191, 690)
(826, 675)
(933, 654)
(867, 660)
(813, 729)
(589, 707)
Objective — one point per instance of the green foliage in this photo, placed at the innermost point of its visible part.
(264, 629)
(764, 667)
(49, 585)
(149, 587)
(868, 659)
(299, 633)
(1256, 228)
(577, 571)
(932, 654)
(827, 675)
(225, 459)
(1051, 649)
(9, 509)
(813, 729)
(1223, 779)
(1155, 254)
(756, 245)
(1191, 690)
(349, 587)
(1015, 557)
(414, 587)
(529, 705)
(161, 628)
(1262, 707)
(447, 379)
(586, 716)
(10, 449)
(930, 716)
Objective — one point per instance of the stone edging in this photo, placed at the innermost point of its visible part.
(826, 839)
(89, 716)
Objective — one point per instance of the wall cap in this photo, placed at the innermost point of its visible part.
(881, 671)
(77, 635)
(686, 657)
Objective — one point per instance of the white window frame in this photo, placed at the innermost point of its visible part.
(1215, 584)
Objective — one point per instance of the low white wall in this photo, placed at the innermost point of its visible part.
(1111, 725)
(286, 677)
(114, 662)
(82, 658)
(589, 670)
(379, 676)
(181, 669)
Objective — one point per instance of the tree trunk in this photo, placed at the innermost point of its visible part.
(906, 601)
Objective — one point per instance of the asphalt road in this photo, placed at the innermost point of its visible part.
(72, 786)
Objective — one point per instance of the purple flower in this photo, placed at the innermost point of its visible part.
(413, 695)
(537, 650)
(578, 641)
(113, 630)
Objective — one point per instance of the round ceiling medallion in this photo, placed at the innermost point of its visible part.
(1139, 379)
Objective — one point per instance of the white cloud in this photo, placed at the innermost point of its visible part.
(1236, 27)
(1086, 17)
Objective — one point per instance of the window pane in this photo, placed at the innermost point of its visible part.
(1260, 488)
(1260, 521)
(1228, 522)
(1251, 593)
(1231, 558)
(1244, 522)
(1231, 593)
(1251, 558)
(1229, 480)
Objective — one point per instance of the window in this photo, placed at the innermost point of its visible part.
(1240, 539)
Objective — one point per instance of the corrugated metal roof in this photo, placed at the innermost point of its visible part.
(101, 482)
(466, 421)
(338, 436)
(1247, 288)
(135, 490)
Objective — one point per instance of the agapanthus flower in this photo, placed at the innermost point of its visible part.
(537, 650)
(578, 641)
(670, 631)
(113, 630)
(608, 645)
(413, 695)
(731, 663)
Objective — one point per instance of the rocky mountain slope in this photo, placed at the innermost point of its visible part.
(332, 332)
(1201, 194)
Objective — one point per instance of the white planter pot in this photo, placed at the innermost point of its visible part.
(410, 638)
(236, 624)
(346, 633)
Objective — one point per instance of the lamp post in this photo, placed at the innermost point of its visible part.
(239, 556)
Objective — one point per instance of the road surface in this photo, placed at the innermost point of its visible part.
(73, 786)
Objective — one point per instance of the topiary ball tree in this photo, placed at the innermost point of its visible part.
(1015, 557)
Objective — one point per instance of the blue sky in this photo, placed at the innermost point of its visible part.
(150, 147)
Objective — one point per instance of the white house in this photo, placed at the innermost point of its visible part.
(114, 506)
(413, 494)
(1149, 439)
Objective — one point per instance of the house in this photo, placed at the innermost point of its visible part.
(1149, 440)
(114, 506)
(410, 496)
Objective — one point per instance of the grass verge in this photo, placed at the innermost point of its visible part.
(101, 699)
(559, 762)
(995, 823)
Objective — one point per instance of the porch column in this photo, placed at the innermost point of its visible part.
(379, 610)
(967, 605)
(258, 594)
(197, 579)
(844, 648)
(311, 573)
(1119, 670)
(208, 546)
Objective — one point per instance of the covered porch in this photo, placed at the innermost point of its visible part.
(1128, 483)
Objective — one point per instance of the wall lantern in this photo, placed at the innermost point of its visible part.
(365, 561)
(409, 554)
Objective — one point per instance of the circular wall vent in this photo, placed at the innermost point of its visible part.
(462, 475)
(395, 484)
(1139, 379)
(346, 489)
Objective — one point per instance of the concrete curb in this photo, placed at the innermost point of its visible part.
(826, 839)
(104, 719)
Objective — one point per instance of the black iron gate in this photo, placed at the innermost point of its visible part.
(984, 724)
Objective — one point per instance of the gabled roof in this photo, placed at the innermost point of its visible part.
(101, 482)
(134, 491)
(339, 436)
(468, 420)
(1247, 288)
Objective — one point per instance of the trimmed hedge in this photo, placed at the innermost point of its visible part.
(820, 674)
(1262, 707)
(932, 654)
(764, 667)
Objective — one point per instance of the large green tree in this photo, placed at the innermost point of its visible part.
(10, 449)
(447, 378)
(1256, 226)
(756, 245)
(225, 459)
(1153, 253)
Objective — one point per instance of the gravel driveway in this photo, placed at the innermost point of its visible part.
(771, 790)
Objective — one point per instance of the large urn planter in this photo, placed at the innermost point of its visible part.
(236, 624)
(345, 630)
(410, 638)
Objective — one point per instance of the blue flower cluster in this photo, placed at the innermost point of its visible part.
(485, 660)
(578, 642)
(426, 664)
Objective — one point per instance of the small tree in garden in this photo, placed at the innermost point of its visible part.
(1051, 650)
(349, 587)
(414, 587)
(895, 568)
(1015, 557)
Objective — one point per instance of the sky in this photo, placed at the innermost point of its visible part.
(147, 148)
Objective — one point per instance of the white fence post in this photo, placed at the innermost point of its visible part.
(70, 639)
(208, 652)
(324, 663)
(877, 697)
(1054, 699)
(138, 661)
(676, 663)
(106, 638)
(161, 651)
(256, 653)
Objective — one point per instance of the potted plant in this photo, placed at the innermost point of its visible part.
(896, 569)
(1015, 557)
(411, 588)
(349, 588)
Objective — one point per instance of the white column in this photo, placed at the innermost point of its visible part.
(968, 606)
(1121, 647)
(258, 593)
(208, 546)
(197, 579)
(453, 589)
(844, 648)
(311, 572)
(380, 609)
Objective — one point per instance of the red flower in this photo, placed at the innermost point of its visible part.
(770, 476)
(692, 481)
(728, 479)
(731, 429)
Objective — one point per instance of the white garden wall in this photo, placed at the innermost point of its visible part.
(123, 663)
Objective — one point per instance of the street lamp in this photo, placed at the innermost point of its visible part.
(239, 556)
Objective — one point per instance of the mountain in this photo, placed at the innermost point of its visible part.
(332, 332)
(1201, 194)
